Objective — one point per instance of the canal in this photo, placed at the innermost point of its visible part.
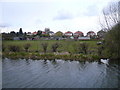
(24, 73)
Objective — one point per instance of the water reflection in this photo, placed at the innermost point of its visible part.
(59, 74)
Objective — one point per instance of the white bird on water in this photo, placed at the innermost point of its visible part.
(105, 61)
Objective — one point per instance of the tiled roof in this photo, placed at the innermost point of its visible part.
(43, 32)
(91, 32)
(78, 32)
(68, 32)
(34, 33)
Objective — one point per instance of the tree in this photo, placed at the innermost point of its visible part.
(13, 34)
(20, 31)
(39, 32)
(45, 35)
(44, 46)
(7, 36)
(110, 15)
(112, 38)
(112, 42)
(27, 46)
(55, 46)
(25, 33)
(59, 34)
(83, 47)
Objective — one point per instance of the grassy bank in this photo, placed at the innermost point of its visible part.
(36, 50)
(50, 56)
(68, 46)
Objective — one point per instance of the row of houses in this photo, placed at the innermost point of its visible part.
(47, 33)
(78, 35)
(68, 33)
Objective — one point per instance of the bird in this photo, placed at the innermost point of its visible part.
(105, 60)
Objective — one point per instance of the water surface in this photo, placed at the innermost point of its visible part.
(24, 73)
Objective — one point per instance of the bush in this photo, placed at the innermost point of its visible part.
(27, 46)
(55, 46)
(14, 48)
(83, 48)
(44, 46)
(100, 50)
(112, 42)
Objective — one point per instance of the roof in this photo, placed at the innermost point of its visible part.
(68, 32)
(34, 33)
(51, 32)
(78, 32)
(43, 32)
(91, 32)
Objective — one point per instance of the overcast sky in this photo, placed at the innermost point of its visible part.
(58, 15)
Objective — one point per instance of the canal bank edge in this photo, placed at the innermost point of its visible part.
(50, 56)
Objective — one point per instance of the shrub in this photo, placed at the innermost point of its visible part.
(14, 48)
(112, 42)
(55, 46)
(83, 48)
(44, 46)
(100, 50)
(27, 46)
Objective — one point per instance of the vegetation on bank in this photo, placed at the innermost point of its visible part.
(111, 22)
(77, 50)
(50, 56)
(112, 43)
(51, 49)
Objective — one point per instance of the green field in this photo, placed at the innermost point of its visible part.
(65, 46)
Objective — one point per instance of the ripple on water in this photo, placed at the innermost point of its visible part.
(23, 73)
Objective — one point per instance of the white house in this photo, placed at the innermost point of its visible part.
(51, 33)
(68, 33)
(78, 33)
(91, 33)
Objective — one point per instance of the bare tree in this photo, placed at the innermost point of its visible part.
(55, 46)
(44, 46)
(27, 46)
(110, 15)
(83, 47)
(112, 23)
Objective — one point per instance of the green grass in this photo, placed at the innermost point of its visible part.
(66, 46)
(49, 56)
